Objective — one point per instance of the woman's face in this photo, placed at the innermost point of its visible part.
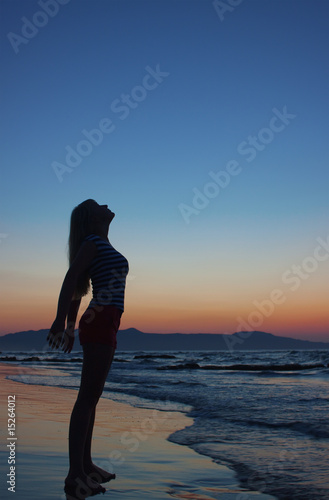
(102, 212)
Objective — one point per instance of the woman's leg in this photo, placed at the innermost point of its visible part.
(90, 468)
(87, 460)
(93, 471)
(97, 360)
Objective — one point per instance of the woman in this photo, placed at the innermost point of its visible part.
(91, 256)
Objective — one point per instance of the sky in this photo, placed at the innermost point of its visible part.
(203, 125)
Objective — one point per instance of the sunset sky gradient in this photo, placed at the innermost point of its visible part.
(183, 92)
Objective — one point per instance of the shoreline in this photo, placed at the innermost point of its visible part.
(128, 441)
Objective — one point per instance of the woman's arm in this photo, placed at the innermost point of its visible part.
(68, 338)
(66, 294)
(81, 263)
(73, 312)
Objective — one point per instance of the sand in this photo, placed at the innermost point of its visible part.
(131, 442)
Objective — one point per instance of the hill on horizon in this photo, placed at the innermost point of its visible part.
(132, 339)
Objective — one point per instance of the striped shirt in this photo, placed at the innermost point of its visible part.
(108, 272)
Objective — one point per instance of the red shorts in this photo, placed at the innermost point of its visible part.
(100, 324)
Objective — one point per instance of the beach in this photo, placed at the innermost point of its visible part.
(129, 441)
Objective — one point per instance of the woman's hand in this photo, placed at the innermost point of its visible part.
(56, 333)
(68, 338)
(62, 337)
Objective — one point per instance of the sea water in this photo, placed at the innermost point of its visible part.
(263, 414)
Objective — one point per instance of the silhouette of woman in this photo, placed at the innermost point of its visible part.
(91, 256)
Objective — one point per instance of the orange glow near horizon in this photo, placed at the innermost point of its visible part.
(304, 321)
(193, 306)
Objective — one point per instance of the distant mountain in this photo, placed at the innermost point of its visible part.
(135, 340)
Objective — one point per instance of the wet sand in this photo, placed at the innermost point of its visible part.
(131, 442)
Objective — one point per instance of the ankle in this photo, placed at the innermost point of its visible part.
(88, 465)
(75, 476)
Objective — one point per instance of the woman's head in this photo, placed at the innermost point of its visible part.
(88, 215)
(86, 218)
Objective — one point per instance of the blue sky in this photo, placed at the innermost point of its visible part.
(223, 79)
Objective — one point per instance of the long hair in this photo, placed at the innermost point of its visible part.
(81, 225)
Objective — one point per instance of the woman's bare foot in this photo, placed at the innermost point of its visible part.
(82, 486)
(98, 474)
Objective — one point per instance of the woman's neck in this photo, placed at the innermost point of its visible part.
(102, 231)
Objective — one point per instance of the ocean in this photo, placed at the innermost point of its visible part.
(262, 414)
